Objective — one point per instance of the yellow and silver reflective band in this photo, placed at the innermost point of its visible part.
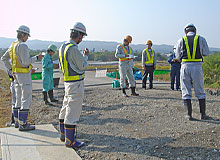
(74, 78)
(66, 73)
(150, 60)
(61, 58)
(23, 70)
(191, 59)
(13, 58)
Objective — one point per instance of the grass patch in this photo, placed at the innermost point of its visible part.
(5, 100)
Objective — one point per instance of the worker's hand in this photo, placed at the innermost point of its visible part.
(178, 60)
(173, 60)
(86, 51)
(33, 71)
(39, 57)
(144, 68)
(14, 76)
(55, 66)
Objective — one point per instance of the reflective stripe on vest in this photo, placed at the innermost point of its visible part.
(191, 59)
(150, 59)
(64, 66)
(16, 67)
(126, 53)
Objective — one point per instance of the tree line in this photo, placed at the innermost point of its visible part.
(211, 63)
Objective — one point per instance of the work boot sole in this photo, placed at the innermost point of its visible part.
(28, 129)
(75, 147)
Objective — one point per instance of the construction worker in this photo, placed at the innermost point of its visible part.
(190, 50)
(47, 74)
(175, 70)
(21, 70)
(125, 54)
(148, 64)
(73, 64)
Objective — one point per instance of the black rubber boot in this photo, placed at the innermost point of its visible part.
(45, 98)
(202, 107)
(124, 93)
(133, 93)
(188, 106)
(52, 99)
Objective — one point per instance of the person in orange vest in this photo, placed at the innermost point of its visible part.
(190, 50)
(125, 54)
(18, 59)
(148, 64)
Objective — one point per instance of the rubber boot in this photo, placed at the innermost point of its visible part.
(23, 125)
(62, 133)
(202, 107)
(188, 106)
(15, 114)
(52, 99)
(124, 93)
(133, 93)
(45, 98)
(70, 141)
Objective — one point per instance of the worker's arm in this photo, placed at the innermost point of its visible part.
(77, 59)
(170, 59)
(204, 49)
(119, 52)
(24, 56)
(143, 58)
(6, 59)
(47, 63)
(154, 60)
(178, 52)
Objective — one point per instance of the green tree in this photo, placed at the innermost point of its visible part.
(211, 68)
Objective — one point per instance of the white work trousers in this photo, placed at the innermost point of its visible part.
(13, 99)
(23, 90)
(72, 102)
(125, 69)
(191, 75)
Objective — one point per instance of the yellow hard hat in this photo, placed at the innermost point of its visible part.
(128, 38)
(149, 42)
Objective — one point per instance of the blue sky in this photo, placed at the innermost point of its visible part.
(162, 21)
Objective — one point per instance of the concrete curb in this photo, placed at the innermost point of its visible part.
(40, 144)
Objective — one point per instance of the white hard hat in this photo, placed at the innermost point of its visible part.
(174, 47)
(190, 27)
(24, 29)
(79, 27)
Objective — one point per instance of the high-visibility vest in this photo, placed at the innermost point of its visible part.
(150, 59)
(16, 67)
(126, 53)
(191, 57)
(69, 74)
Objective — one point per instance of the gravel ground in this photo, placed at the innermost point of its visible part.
(150, 126)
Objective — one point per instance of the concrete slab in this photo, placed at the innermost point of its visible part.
(40, 144)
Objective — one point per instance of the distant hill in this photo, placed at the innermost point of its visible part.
(92, 45)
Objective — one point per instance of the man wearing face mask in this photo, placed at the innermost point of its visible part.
(125, 55)
(21, 70)
(73, 64)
